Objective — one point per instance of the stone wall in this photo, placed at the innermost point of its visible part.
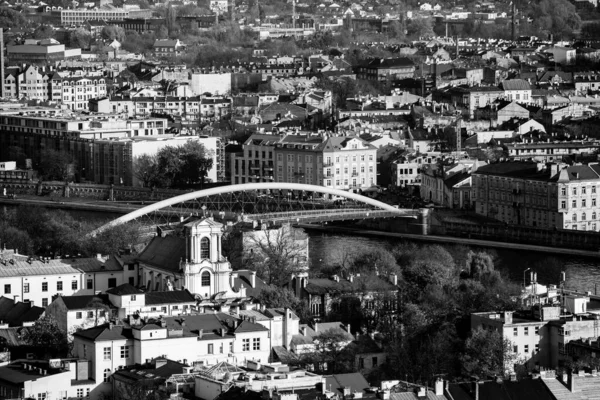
(89, 191)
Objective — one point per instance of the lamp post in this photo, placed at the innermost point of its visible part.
(524, 276)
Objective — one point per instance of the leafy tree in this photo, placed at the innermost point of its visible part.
(15, 238)
(56, 165)
(10, 18)
(98, 305)
(43, 32)
(145, 169)
(375, 259)
(488, 354)
(183, 165)
(162, 33)
(17, 154)
(479, 263)
(47, 337)
(113, 32)
(420, 27)
(80, 38)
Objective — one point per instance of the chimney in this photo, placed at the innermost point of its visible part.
(200, 333)
(571, 381)
(508, 317)
(253, 279)
(348, 328)
(223, 331)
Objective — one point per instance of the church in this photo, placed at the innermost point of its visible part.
(189, 257)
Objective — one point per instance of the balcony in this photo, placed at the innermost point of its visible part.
(355, 174)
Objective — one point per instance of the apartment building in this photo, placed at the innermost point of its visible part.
(37, 281)
(548, 151)
(547, 196)
(105, 147)
(190, 109)
(406, 170)
(339, 162)
(69, 89)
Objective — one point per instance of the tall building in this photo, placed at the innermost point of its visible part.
(539, 195)
(339, 162)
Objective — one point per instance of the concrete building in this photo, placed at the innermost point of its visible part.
(449, 185)
(79, 16)
(547, 196)
(540, 151)
(41, 52)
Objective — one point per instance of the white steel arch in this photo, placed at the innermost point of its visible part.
(240, 188)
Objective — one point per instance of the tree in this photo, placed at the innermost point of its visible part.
(80, 38)
(376, 259)
(331, 349)
(479, 263)
(170, 19)
(272, 296)
(47, 337)
(43, 32)
(16, 153)
(488, 354)
(183, 165)
(12, 19)
(276, 253)
(56, 165)
(145, 169)
(420, 27)
(113, 32)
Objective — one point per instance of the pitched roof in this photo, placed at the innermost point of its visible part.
(82, 302)
(240, 280)
(105, 332)
(15, 314)
(355, 381)
(124, 289)
(164, 253)
(516, 84)
(169, 297)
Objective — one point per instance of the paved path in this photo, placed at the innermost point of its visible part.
(454, 240)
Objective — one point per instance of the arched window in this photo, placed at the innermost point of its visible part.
(106, 374)
(583, 216)
(204, 248)
(206, 278)
(574, 218)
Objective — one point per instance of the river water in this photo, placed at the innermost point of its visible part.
(582, 274)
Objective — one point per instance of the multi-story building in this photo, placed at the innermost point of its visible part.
(449, 185)
(475, 97)
(74, 90)
(190, 109)
(40, 52)
(547, 196)
(168, 47)
(548, 151)
(386, 68)
(79, 16)
(518, 90)
(37, 281)
(339, 162)
(406, 170)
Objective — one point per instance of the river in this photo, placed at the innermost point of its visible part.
(582, 274)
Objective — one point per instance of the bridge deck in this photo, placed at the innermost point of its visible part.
(329, 215)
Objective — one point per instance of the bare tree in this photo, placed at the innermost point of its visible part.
(276, 253)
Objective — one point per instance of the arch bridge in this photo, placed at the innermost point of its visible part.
(265, 202)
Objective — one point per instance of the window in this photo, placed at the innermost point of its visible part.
(574, 203)
(563, 191)
(80, 392)
(26, 288)
(515, 331)
(90, 314)
(204, 248)
(133, 297)
(90, 283)
(574, 218)
(584, 190)
(256, 344)
(41, 396)
(515, 349)
(374, 361)
(583, 203)
(593, 202)
(574, 191)
(537, 348)
(221, 348)
(74, 285)
(84, 351)
(361, 363)
(563, 332)
(106, 374)
(245, 344)
(537, 330)
(107, 353)
(526, 331)
(44, 286)
(526, 348)
(593, 189)
(112, 282)
(45, 302)
(124, 351)
(59, 285)
(206, 278)
(78, 315)
(7, 289)
(583, 216)
(211, 348)
(563, 204)
(231, 347)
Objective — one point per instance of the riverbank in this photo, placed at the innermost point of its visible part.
(73, 204)
(452, 240)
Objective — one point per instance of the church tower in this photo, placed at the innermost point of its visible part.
(206, 271)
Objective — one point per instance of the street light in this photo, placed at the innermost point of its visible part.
(524, 283)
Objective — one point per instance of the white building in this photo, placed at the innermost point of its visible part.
(517, 90)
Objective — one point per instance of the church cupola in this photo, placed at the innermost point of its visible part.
(203, 240)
